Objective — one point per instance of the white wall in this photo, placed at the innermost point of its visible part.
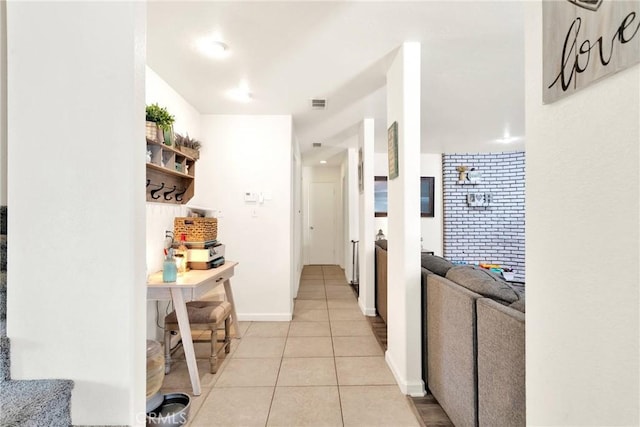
(296, 215)
(187, 118)
(582, 254)
(251, 154)
(328, 174)
(76, 270)
(3, 103)
(160, 216)
(431, 229)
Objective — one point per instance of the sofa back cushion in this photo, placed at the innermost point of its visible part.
(436, 264)
(483, 282)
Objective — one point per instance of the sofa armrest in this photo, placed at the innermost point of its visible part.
(501, 364)
(451, 349)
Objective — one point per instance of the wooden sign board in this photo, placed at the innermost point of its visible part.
(585, 41)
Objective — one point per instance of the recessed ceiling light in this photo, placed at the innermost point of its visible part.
(509, 139)
(241, 93)
(212, 47)
(323, 162)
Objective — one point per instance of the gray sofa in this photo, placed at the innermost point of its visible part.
(475, 355)
(473, 333)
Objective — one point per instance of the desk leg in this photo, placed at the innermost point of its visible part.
(229, 293)
(187, 341)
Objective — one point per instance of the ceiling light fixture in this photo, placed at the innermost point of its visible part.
(323, 162)
(241, 93)
(212, 47)
(508, 139)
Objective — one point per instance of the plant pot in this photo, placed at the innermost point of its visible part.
(153, 132)
(195, 154)
(168, 137)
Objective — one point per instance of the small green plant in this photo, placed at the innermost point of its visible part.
(160, 116)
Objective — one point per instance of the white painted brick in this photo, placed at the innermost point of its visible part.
(493, 233)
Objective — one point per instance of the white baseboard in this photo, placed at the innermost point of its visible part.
(366, 311)
(411, 388)
(265, 317)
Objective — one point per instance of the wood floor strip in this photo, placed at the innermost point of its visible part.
(427, 409)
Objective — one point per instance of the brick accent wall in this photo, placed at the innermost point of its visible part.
(494, 233)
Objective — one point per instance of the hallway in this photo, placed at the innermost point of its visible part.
(324, 368)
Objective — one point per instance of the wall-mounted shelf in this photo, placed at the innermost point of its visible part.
(170, 174)
(168, 171)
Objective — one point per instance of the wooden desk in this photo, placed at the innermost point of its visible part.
(191, 286)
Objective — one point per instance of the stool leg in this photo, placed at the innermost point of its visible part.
(227, 339)
(213, 360)
(167, 350)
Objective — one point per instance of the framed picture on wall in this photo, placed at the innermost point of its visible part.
(426, 196)
(380, 196)
(392, 135)
(381, 199)
(360, 172)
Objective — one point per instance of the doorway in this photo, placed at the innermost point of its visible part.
(322, 223)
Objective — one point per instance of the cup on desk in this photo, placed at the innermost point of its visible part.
(169, 270)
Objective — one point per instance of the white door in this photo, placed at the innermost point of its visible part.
(322, 230)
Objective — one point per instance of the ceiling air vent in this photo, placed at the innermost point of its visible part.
(318, 104)
(317, 144)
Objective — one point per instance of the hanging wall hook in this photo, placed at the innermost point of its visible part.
(179, 195)
(167, 193)
(154, 192)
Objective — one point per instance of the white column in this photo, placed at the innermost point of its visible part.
(582, 234)
(3, 103)
(76, 175)
(366, 299)
(403, 292)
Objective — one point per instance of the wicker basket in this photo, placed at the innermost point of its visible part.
(196, 229)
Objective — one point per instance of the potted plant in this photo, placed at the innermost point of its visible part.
(188, 146)
(158, 118)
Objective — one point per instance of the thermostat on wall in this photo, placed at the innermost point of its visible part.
(250, 197)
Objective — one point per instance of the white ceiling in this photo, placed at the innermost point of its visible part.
(290, 52)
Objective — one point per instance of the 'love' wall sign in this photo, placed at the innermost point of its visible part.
(586, 40)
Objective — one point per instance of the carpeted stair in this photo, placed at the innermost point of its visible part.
(28, 403)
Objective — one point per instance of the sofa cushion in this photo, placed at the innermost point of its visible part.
(382, 243)
(520, 304)
(436, 264)
(482, 282)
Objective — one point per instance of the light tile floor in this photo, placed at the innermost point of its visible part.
(324, 368)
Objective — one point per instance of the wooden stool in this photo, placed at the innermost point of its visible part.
(203, 316)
